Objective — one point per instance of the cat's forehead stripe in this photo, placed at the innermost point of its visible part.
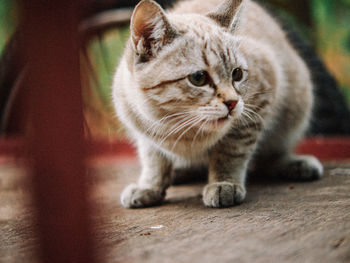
(218, 58)
(163, 83)
(205, 59)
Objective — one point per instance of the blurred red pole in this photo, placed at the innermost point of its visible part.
(49, 42)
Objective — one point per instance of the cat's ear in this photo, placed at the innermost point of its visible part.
(228, 14)
(150, 29)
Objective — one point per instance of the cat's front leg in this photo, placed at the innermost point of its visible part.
(227, 173)
(154, 180)
(226, 185)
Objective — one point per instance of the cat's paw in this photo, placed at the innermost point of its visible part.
(134, 196)
(223, 194)
(304, 167)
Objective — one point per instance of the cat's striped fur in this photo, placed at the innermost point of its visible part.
(225, 123)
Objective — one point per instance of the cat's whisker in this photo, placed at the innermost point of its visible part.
(196, 135)
(246, 114)
(200, 130)
(158, 122)
(195, 122)
(254, 113)
(243, 119)
(254, 117)
(212, 112)
(206, 107)
(182, 124)
(156, 126)
(251, 117)
(176, 126)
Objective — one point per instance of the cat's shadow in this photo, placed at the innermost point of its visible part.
(185, 201)
(199, 177)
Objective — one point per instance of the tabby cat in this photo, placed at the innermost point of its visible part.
(213, 84)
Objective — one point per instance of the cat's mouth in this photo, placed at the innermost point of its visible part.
(219, 121)
(223, 118)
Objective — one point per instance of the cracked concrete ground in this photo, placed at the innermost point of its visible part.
(279, 221)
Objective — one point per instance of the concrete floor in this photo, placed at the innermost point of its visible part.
(279, 221)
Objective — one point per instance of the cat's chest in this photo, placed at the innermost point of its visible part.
(187, 150)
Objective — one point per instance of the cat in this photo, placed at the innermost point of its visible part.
(216, 84)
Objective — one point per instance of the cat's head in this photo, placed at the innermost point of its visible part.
(189, 67)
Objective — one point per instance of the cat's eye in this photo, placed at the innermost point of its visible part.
(199, 79)
(237, 74)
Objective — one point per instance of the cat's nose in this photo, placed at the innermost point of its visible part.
(230, 104)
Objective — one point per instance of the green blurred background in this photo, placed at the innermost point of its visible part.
(325, 24)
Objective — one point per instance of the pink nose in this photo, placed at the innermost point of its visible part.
(231, 104)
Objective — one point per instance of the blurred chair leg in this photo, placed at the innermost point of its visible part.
(56, 141)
